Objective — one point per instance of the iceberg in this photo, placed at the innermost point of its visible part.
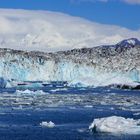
(27, 91)
(115, 125)
(104, 80)
(47, 124)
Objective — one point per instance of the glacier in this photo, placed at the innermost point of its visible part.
(36, 46)
(96, 66)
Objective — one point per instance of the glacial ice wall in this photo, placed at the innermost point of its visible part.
(97, 66)
(25, 68)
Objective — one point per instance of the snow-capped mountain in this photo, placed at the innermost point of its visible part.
(129, 42)
(52, 31)
(98, 66)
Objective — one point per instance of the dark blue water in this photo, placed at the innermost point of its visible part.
(72, 121)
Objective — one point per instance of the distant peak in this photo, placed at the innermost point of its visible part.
(130, 41)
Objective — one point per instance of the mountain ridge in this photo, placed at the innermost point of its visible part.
(130, 42)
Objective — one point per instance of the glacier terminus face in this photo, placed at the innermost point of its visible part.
(97, 66)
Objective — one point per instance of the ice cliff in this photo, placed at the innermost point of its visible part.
(97, 66)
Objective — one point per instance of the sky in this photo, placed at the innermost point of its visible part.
(123, 13)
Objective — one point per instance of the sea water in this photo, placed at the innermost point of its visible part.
(24, 107)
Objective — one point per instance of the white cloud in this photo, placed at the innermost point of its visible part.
(132, 1)
(126, 1)
(51, 31)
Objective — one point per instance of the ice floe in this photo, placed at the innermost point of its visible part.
(88, 106)
(27, 91)
(104, 81)
(37, 98)
(116, 125)
(47, 124)
(59, 89)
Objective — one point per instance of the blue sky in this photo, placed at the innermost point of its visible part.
(117, 12)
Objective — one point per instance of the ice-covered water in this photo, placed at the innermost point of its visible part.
(26, 106)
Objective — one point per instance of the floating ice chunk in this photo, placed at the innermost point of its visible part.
(41, 92)
(81, 130)
(137, 114)
(116, 125)
(27, 91)
(103, 81)
(20, 107)
(88, 106)
(83, 82)
(120, 80)
(47, 124)
(59, 89)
